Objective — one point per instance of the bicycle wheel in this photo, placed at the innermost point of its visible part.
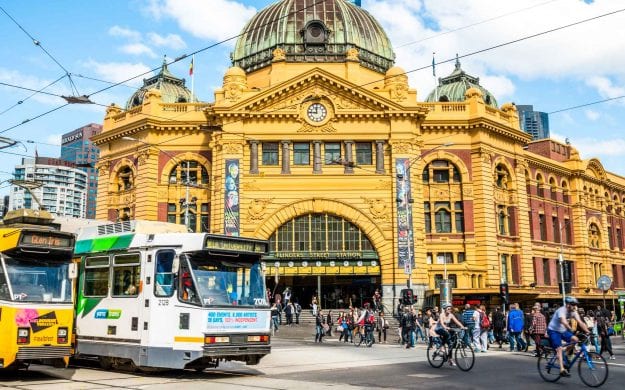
(465, 357)
(594, 370)
(436, 355)
(548, 366)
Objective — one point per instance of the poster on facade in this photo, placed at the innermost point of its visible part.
(405, 242)
(231, 199)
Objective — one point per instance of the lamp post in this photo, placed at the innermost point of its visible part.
(407, 200)
(186, 182)
(561, 254)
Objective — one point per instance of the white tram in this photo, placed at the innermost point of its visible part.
(170, 300)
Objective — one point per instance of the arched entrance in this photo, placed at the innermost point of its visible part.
(323, 252)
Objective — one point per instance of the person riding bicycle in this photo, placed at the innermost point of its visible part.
(443, 325)
(560, 329)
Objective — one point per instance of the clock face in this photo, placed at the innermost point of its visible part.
(317, 112)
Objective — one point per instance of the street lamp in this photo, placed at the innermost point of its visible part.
(407, 200)
(186, 182)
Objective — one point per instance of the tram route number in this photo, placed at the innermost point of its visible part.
(163, 302)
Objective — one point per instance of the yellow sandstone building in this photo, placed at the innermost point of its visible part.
(360, 181)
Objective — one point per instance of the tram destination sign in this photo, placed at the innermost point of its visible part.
(46, 239)
(233, 244)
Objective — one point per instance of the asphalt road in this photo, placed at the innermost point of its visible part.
(302, 364)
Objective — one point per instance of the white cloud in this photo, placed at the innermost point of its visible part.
(118, 31)
(215, 20)
(54, 139)
(605, 87)
(592, 115)
(137, 49)
(19, 79)
(578, 52)
(592, 147)
(173, 41)
(120, 71)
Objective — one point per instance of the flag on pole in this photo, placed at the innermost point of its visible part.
(433, 65)
(191, 66)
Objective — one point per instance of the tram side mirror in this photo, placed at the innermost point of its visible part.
(72, 271)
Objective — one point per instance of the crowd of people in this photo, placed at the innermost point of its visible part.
(538, 326)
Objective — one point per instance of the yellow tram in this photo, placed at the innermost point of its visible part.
(36, 290)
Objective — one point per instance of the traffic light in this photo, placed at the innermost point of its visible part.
(407, 297)
(503, 293)
(567, 272)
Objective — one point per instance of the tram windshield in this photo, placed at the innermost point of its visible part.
(29, 280)
(222, 283)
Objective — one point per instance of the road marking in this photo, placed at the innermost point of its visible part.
(426, 376)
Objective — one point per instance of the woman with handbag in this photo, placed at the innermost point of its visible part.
(382, 327)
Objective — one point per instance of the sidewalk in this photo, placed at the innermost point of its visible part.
(306, 333)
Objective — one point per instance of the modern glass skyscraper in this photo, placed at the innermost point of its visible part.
(533, 122)
(78, 149)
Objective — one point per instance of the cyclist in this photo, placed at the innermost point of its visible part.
(560, 329)
(442, 328)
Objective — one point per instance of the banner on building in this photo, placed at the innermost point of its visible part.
(405, 241)
(231, 199)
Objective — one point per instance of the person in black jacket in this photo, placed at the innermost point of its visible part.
(499, 324)
(319, 321)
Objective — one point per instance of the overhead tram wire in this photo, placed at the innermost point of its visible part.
(586, 104)
(37, 43)
(184, 56)
(361, 85)
(85, 98)
(438, 63)
(33, 94)
(474, 24)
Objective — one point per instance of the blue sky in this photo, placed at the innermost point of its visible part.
(116, 40)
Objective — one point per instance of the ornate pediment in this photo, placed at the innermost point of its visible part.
(288, 97)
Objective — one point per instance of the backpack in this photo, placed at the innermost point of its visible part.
(484, 321)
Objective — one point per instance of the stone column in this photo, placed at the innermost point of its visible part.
(379, 157)
(317, 157)
(349, 157)
(286, 157)
(254, 157)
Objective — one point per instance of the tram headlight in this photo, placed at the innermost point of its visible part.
(23, 335)
(61, 336)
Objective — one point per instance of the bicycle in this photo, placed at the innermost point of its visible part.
(592, 367)
(368, 338)
(437, 352)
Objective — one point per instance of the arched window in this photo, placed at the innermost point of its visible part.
(441, 171)
(594, 236)
(553, 189)
(125, 179)
(502, 218)
(196, 172)
(502, 177)
(540, 183)
(319, 233)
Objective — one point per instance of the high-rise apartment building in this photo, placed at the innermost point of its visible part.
(533, 122)
(55, 185)
(78, 149)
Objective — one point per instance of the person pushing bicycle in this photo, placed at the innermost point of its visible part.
(559, 329)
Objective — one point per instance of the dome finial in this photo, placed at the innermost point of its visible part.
(457, 62)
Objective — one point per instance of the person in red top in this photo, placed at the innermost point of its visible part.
(538, 328)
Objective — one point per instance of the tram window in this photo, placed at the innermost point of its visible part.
(126, 275)
(164, 277)
(4, 288)
(96, 276)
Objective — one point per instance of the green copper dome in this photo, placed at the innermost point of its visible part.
(313, 31)
(453, 87)
(172, 89)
